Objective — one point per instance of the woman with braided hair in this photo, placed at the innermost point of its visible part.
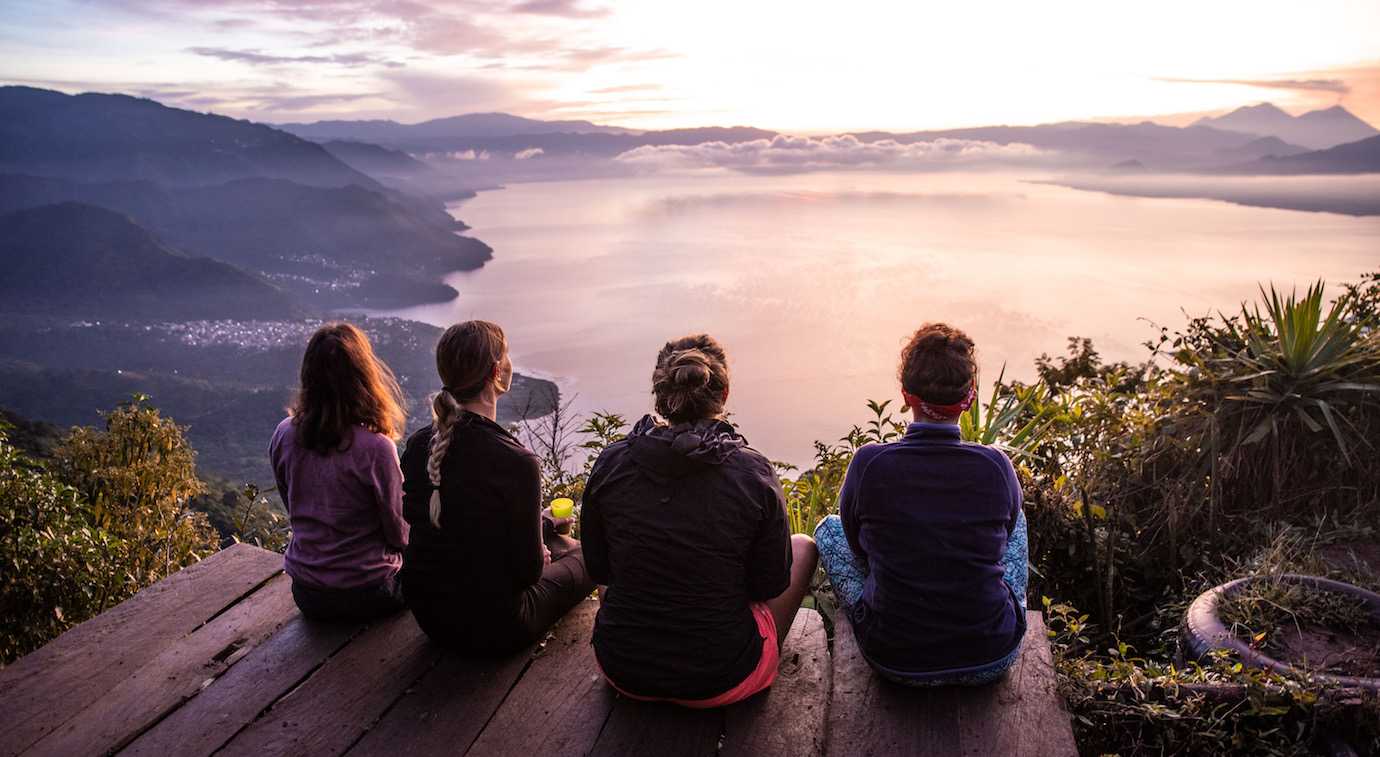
(686, 524)
(927, 555)
(485, 570)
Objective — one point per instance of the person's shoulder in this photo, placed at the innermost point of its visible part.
(864, 456)
(372, 442)
(420, 437)
(996, 454)
(751, 461)
(284, 432)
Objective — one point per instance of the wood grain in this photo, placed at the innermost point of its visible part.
(560, 704)
(50, 685)
(1020, 715)
(273, 668)
(330, 710)
(446, 710)
(788, 719)
(174, 676)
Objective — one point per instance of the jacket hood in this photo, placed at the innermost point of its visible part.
(684, 447)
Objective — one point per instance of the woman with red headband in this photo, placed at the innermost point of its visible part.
(927, 555)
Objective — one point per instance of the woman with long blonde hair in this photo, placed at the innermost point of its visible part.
(486, 570)
(335, 459)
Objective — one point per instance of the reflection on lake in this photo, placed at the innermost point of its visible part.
(814, 281)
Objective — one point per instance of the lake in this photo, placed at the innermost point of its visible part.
(814, 281)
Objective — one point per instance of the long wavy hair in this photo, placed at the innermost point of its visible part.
(343, 385)
(466, 359)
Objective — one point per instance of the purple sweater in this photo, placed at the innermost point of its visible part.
(345, 509)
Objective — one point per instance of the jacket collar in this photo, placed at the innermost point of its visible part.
(932, 432)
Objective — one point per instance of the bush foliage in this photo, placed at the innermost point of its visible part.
(106, 517)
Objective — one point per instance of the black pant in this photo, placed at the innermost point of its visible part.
(359, 603)
(461, 622)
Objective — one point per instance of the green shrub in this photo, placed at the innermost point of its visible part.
(109, 517)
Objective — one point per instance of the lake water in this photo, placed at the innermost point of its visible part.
(814, 281)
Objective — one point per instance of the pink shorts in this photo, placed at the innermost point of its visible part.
(761, 678)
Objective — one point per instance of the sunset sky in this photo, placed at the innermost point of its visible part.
(803, 66)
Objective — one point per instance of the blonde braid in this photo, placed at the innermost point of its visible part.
(444, 412)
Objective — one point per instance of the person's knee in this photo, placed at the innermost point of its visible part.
(803, 548)
(828, 527)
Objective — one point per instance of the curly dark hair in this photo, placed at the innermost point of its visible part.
(938, 364)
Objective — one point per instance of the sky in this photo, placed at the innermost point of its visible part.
(804, 67)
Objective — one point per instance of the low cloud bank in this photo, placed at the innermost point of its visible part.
(786, 153)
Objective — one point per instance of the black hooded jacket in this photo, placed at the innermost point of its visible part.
(687, 527)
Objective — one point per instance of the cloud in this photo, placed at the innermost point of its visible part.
(441, 93)
(787, 154)
(1300, 85)
(257, 58)
(460, 155)
(563, 8)
(627, 88)
(531, 152)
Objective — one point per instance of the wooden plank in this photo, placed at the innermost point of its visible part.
(273, 668)
(195, 660)
(560, 704)
(446, 710)
(788, 719)
(345, 696)
(1032, 688)
(666, 730)
(1020, 715)
(46, 687)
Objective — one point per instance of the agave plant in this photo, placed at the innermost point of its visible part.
(1015, 419)
(1298, 363)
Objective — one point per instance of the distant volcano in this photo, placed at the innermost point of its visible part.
(1318, 129)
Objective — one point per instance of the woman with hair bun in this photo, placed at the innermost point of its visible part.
(486, 571)
(927, 555)
(686, 525)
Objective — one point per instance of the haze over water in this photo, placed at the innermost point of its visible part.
(813, 281)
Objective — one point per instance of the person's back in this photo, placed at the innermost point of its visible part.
(932, 514)
(686, 525)
(336, 467)
(927, 555)
(343, 506)
(692, 536)
(486, 572)
(484, 553)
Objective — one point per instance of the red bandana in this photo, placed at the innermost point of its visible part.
(946, 413)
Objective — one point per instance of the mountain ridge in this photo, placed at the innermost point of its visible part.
(77, 259)
(100, 136)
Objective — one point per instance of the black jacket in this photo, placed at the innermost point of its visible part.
(464, 581)
(687, 527)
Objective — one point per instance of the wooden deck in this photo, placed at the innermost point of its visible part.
(217, 660)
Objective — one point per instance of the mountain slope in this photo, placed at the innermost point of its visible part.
(1318, 129)
(373, 159)
(1154, 145)
(1361, 156)
(101, 137)
(331, 247)
(78, 260)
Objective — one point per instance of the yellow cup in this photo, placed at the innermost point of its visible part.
(562, 507)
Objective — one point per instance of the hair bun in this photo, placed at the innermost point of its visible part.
(689, 369)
